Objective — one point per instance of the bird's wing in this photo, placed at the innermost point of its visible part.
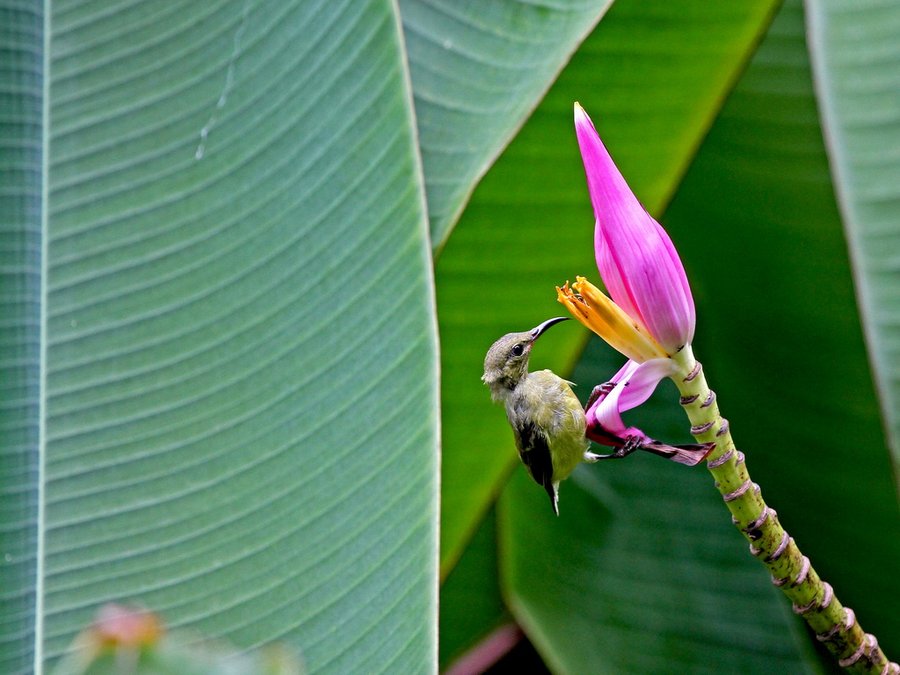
(557, 392)
(534, 451)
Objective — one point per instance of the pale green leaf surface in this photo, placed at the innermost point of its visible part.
(529, 225)
(241, 410)
(778, 332)
(21, 95)
(855, 52)
(478, 69)
(642, 572)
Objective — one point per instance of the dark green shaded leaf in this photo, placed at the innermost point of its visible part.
(643, 571)
(471, 605)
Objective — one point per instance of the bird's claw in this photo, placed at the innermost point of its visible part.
(632, 443)
(598, 391)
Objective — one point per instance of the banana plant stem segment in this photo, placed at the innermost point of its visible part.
(814, 599)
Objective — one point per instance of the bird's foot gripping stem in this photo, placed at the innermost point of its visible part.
(631, 444)
(689, 455)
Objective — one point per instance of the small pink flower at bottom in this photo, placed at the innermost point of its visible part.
(629, 388)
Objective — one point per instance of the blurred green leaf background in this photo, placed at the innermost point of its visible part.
(253, 253)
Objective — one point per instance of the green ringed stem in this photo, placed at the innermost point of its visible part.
(792, 572)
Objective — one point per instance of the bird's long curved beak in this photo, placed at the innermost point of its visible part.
(538, 330)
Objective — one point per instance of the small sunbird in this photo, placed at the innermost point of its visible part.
(547, 418)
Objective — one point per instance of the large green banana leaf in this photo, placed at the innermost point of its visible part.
(220, 361)
(857, 66)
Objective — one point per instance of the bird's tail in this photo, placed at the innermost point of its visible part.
(553, 492)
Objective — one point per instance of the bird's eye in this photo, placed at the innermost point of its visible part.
(518, 349)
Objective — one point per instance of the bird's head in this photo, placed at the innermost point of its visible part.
(506, 362)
